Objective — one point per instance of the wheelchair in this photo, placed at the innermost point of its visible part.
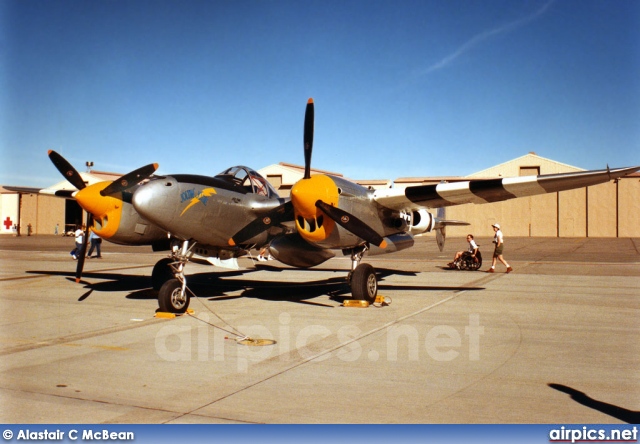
(468, 262)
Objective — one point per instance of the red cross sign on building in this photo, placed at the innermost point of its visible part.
(7, 223)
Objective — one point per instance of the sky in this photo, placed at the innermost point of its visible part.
(402, 88)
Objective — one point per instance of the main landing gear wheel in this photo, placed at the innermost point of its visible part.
(161, 273)
(171, 298)
(364, 283)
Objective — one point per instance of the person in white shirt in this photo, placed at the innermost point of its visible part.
(498, 239)
(473, 249)
(79, 234)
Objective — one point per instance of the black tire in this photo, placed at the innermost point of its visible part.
(169, 297)
(364, 283)
(468, 262)
(161, 273)
(477, 263)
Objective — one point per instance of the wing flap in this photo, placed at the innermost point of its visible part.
(482, 191)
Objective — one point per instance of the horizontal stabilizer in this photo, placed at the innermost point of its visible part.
(449, 223)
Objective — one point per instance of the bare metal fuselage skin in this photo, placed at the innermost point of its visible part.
(204, 209)
(132, 228)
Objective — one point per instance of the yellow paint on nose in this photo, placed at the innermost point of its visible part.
(312, 224)
(105, 209)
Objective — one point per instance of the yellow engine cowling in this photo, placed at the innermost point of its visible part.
(115, 219)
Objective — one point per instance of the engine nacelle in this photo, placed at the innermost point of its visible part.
(114, 217)
(292, 249)
(395, 242)
(421, 222)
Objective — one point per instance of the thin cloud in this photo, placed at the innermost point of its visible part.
(483, 36)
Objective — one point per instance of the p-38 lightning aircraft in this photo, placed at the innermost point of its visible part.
(224, 216)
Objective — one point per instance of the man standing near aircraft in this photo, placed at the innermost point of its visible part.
(498, 239)
(96, 242)
(79, 235)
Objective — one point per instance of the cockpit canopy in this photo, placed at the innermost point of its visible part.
(249, 179)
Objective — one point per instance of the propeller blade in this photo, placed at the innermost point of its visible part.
(67, 170)
(308, 138)
(274, 217)
(129, 179)
(83, 252)
(352, 223)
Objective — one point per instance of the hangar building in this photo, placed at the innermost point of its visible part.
(606, 210)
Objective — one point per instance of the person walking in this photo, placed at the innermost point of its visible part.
(79, 235)
(498, 240)
(96, 242)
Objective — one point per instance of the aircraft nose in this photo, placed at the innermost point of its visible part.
(149, 197)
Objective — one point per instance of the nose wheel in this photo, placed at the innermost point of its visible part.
(162, 272)
(168, 275)
(364, 283)
(362, 278)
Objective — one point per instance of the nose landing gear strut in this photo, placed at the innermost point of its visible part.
(173, 296)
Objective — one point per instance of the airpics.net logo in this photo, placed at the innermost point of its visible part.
(590, 434)
(202, 342)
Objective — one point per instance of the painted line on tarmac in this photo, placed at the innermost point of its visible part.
(17, 278)
(583, 263)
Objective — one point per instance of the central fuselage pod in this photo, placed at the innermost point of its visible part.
(208, 210)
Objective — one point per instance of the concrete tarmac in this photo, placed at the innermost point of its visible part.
(556, 341)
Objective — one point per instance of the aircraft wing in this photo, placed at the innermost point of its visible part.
(66, 193)
(27, 190)
(482, 191)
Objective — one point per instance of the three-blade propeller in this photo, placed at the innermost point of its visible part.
(306, 193)
(111, 189)
(278, 215)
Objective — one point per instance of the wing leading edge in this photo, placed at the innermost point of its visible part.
(482, 191)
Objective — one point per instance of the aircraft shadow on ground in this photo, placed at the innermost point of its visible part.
(217, 285)
(628, 416)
